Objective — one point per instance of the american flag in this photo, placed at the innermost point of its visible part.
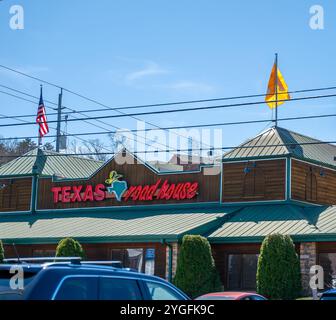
(41, 118)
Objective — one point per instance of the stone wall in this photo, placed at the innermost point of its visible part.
(308, 259)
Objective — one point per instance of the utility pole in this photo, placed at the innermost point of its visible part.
(59, 118)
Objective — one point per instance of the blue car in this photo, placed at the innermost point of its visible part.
(78, 281)
(329, 295)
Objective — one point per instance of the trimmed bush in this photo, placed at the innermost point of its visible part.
(69, 247)
(278, 275)
(2, 252)
(196, 273)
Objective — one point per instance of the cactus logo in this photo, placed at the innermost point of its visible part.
(117, 187)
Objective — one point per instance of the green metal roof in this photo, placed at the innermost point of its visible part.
(277, 137)
(253, 223)
(321, 153)
(49, 164)
(119, 226)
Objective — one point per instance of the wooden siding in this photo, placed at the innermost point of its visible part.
(16, 195)
(94, 252)
(313, 184)
(254, 181)
(135, 174)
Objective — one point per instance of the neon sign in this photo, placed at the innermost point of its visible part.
(116, 188)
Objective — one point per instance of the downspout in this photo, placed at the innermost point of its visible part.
(34, 189)
(288, 179)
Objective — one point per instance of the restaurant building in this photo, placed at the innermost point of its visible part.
(127, 210)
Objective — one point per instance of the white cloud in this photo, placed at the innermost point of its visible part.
(190, 86)
(151, 69)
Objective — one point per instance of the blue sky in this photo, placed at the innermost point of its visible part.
(142, 52)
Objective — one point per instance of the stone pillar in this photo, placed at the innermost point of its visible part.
(308, 259)
(174, 259)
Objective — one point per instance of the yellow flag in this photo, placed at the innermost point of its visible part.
(282, 89)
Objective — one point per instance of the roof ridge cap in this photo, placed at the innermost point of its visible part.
(284, 146)
(247, 141)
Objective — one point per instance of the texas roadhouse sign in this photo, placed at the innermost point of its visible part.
(114, 187)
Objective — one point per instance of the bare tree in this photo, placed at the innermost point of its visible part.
(118, 141)
(97, 148)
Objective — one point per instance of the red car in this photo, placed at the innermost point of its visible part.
(246, 296)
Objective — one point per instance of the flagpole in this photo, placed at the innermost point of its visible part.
(276, 89)
(39, 134)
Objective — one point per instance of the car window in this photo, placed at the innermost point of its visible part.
(257, 298)
(8, 293)
(328, 297)
(78, 288)
(5, 295)
(118, 289)
(159, 291)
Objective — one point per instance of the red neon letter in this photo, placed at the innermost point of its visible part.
(66, 194)
(56, 191)
(88, 194)
(76, 196)
(192, 191)
(99, 192)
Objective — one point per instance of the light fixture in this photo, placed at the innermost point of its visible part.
(322, 173)
(247, 170)
(2, 186)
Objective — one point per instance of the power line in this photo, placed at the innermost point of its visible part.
(140, 106)
(79, 95)
(205, 125)
(291, 145)
(50, 102)
(157, 104)
(182, 110)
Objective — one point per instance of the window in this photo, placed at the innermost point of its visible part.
(78, 288)
(44, 253)
(118, 289)
(254, 182)
(242, 270)
(130, 258)
(257, 298)
(159, 291)
(311, 185)
(328, 263)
